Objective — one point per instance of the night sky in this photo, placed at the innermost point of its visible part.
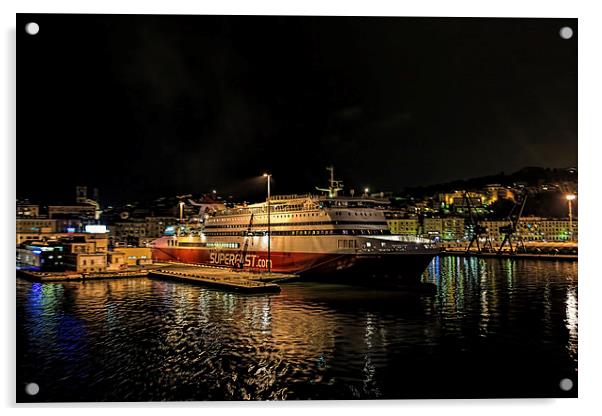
(144, 106)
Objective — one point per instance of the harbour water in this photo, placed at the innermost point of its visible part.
(494, 328)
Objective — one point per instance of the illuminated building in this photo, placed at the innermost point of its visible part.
(86, 262)
(137, 255)
(79, 211)
(44, 256)
(534, 229)
(128, 233)
(28, 211)
(136, 231)
(456, 198)
(493, 228)
(496, 191)
(86, 253)
(447, 229)
(400, 225)
(555, 229)
(36, 225)
(116, 261)
(155, 226)
(88, 243)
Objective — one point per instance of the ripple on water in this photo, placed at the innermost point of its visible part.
(144, 339)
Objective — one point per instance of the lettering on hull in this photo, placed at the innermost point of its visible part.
(234, 259)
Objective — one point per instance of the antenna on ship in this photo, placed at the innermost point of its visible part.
(335, 185)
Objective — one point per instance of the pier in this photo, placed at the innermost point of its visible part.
(216, 277)
(234, 280)
(506, 255)
(531, 250)
(70, 276)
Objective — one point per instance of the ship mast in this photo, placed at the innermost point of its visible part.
(335, 185)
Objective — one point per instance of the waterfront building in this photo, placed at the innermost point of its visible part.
(89, 243)
(548, 229)
(24, 236)
(535, 229)
(41, 255)
(493, 229)
(86, 262)
(446, 229)
(87, 253)
(137, 255)
(26, 210)
(36, 225)
(400, 224)
(116, 261)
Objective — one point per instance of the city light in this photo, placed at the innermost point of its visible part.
(96, 229)
(571, 197)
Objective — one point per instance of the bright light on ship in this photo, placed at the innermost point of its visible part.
(96, 229)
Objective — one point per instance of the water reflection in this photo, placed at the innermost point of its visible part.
(144, 339)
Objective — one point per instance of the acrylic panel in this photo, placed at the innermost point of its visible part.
(295, 207)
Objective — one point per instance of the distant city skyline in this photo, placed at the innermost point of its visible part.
(255, 190)
(143, 106)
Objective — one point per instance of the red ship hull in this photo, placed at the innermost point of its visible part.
(365, 268)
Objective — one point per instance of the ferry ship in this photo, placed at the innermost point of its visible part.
(332, 237)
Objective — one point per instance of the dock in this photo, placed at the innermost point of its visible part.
(234, 280)
(216, 277)
(506, 255)
(71, 276)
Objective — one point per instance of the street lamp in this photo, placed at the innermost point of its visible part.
(269, 177)
(570, 198)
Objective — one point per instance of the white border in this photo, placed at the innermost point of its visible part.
(590, 94)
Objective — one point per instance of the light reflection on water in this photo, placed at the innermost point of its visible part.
(493, 328)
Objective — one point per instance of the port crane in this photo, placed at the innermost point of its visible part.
(478, 229)
(510, 231)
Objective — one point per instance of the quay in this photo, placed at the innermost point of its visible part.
(234, 280)
(532, 250)
(507, 255)
(216, 277)
(69, 276)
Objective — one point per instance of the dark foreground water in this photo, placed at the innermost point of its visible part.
(495, 328)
